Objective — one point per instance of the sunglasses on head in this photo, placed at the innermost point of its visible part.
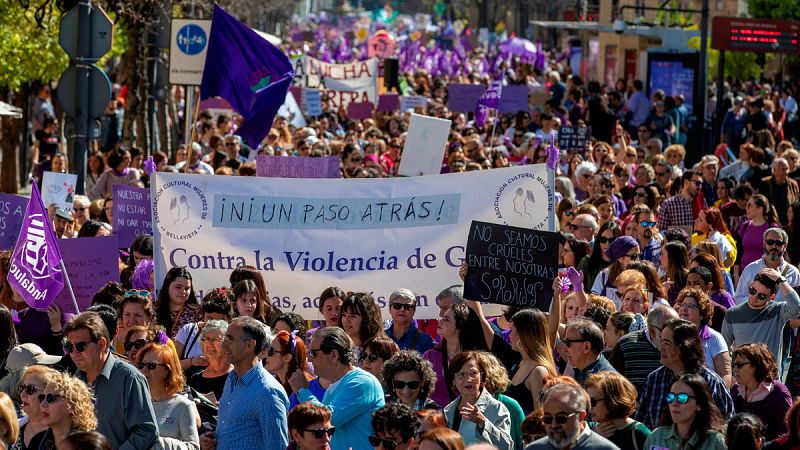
(683, 398)
(138, 344)
(403, 306)
(27, 389)
(387, 444)
(402, 384)
(49, 398)
(141, 293)
(561, 418)
(79, 346)
(759, 295)
(369, 357)
(319, 433)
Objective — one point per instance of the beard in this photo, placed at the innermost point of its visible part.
(563, 439)
(647, 234)
(775, 255)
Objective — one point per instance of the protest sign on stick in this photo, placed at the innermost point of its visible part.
(90, 264)
(424, 146)
(12, 214)
(574, 139)
(297, 167)
(58, 188)
(509, 265)
(133, 215)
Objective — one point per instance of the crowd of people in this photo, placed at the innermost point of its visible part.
(673, 324)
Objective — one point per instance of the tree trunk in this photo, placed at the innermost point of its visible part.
(10, 132)
(163, 127)
(130, 76)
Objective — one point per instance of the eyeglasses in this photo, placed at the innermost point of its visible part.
(569, 342)
(604, 240)
(683, 398)
(312, 352)
(81, 209)
(634, 256)
(28, 389)
(49, 398)
(610, 163)
(403, 306)
(593, 401)
(774, 242)
(371, 357)
(388, 444)
(698, 183)
(402, 384)
(740, 364)
(138, 344)
(660, 174)
(319, 433)
(646, 223)
(357, 159)
(687, 305)
(760, 295)
(569, 213)
(272, 351)
(212, 340)
(561, 418)
(152, 365)
(230, 144)
(79, 346)
(586, 176)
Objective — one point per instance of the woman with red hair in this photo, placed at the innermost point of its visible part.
(710, 225)
(285, 355)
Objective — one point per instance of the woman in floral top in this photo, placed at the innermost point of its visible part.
(177, 304)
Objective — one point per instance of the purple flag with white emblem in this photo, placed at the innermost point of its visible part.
(35, 272)
(489, 100)
(246, 70)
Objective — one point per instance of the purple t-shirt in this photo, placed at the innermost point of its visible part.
(752, 242)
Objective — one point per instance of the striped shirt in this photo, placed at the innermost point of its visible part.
(635, 357)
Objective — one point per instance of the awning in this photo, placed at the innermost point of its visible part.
(10, 111)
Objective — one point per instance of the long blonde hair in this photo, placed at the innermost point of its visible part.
(534, 340)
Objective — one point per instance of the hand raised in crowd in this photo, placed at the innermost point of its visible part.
(576, 278)
(54, 316)
(52, 208)
(473, 414)
(770, 273)
(462, 271)
(298, 381)
(558, 283)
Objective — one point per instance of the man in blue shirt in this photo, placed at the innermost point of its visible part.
(638, 105)
(353, 395)
(253, 407)
(403, 329)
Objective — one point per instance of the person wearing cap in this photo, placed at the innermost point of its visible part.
(403, 328)
(709, 166)
(63, 225)
(19, 358)
(622, 251)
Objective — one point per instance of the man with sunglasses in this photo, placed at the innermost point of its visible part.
(649, 238)
(762, 317)
(251, 395)
(395, 427)
(776, 242)
(121, 396)
(565, 412)
(353, 395)
(403, 328)
(678, 211)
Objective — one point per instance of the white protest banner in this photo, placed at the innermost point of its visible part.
(58, 188)
(305, 235)
(424, 146)
(344, 83)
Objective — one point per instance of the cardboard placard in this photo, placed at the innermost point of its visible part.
(388, 102)
(359, 110)
(12, 212)
(424, 146)
(464, 97)
(514, 99)
(312, 102)
(58, 188)
(511, 266)
(574, 139)
(412, 102)
(133, 214)
(90, 263)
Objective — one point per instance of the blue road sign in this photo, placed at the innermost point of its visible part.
(191, 39)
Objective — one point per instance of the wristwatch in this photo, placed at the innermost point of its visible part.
(782, 279)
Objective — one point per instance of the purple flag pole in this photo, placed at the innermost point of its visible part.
(69, 286)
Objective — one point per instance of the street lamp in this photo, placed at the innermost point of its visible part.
(619, 26)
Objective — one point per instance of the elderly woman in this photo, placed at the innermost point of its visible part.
(410, 380)
(757, 390)
(695, 306)
(175, 414)
(217, 305)
(67, 406)
(475, 414)
(613, 399)
(33, 434)
(212, 377)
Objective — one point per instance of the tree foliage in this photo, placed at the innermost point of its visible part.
(774, 9)
(28, 52)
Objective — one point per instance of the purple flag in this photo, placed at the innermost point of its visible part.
(489, 100)
(247, 71)
(35, 272)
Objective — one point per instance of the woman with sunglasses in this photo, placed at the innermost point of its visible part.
(565, 212)
(177, 305)
(310, 427)
(33, 434)
(695, 306)
(613, 400)
(757, 390)
(598, 260)
(213, 376)
(475, 414)
(622, 251)
(138, 336)
(410, 379)
(217, 305)
(176, 415)
(285, 355)
(67, 406)
(360, 318)
(375, 354)
(693, 419)
(134, 310)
